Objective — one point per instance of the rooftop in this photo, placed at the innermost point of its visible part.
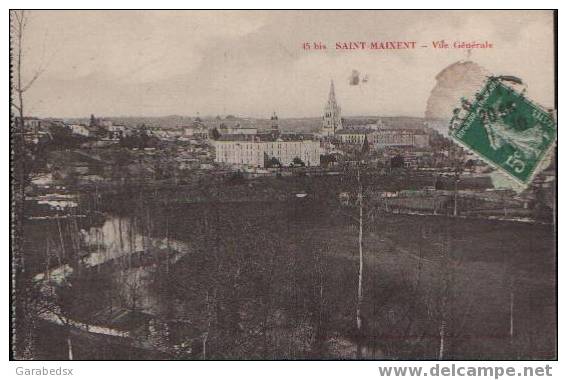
(266, 137)
(353, 131)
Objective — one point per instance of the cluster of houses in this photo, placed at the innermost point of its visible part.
(252, 147)
(36, 128)
(383, 137)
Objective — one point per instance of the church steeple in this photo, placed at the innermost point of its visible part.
(332, 114)
(332, 92)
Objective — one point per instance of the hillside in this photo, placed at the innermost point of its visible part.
(302, 124)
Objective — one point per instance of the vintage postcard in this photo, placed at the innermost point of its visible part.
(283, 185)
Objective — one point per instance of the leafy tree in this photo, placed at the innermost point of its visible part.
(273, 163)
(365, 147)
(141, 139)
(328, 159)
(215, 134)
(298, 162)
(93, 122)
(397, 162)
(63, 138)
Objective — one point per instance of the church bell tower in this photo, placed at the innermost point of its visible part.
(331, 115)
(275, 128)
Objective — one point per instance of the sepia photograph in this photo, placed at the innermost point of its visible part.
(283, 185)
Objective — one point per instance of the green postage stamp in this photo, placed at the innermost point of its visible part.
(507, 130)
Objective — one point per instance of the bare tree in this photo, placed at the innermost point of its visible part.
(511, 324)
(360, 258)
(18, 23)
(364, 211)
(22, 282)
(444, 299)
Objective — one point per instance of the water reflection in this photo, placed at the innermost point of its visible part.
(120, 236)
(119, 249)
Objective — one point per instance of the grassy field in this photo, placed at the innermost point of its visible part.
(412, 263)
(277, 278)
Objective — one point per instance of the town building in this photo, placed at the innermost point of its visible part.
(353, 136)
(170, 134)
(383, 137)
(30, 123)
(198, 131)
(81, 130)
(237, 130)
(332, 121)
(397, 137)
(34, 128)
(379, 124)
(105, 123)
(116, 131)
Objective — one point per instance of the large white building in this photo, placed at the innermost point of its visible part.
(257, 151)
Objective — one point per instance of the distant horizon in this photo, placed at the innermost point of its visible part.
(223, 117)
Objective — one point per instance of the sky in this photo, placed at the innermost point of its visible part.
(251, 63)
